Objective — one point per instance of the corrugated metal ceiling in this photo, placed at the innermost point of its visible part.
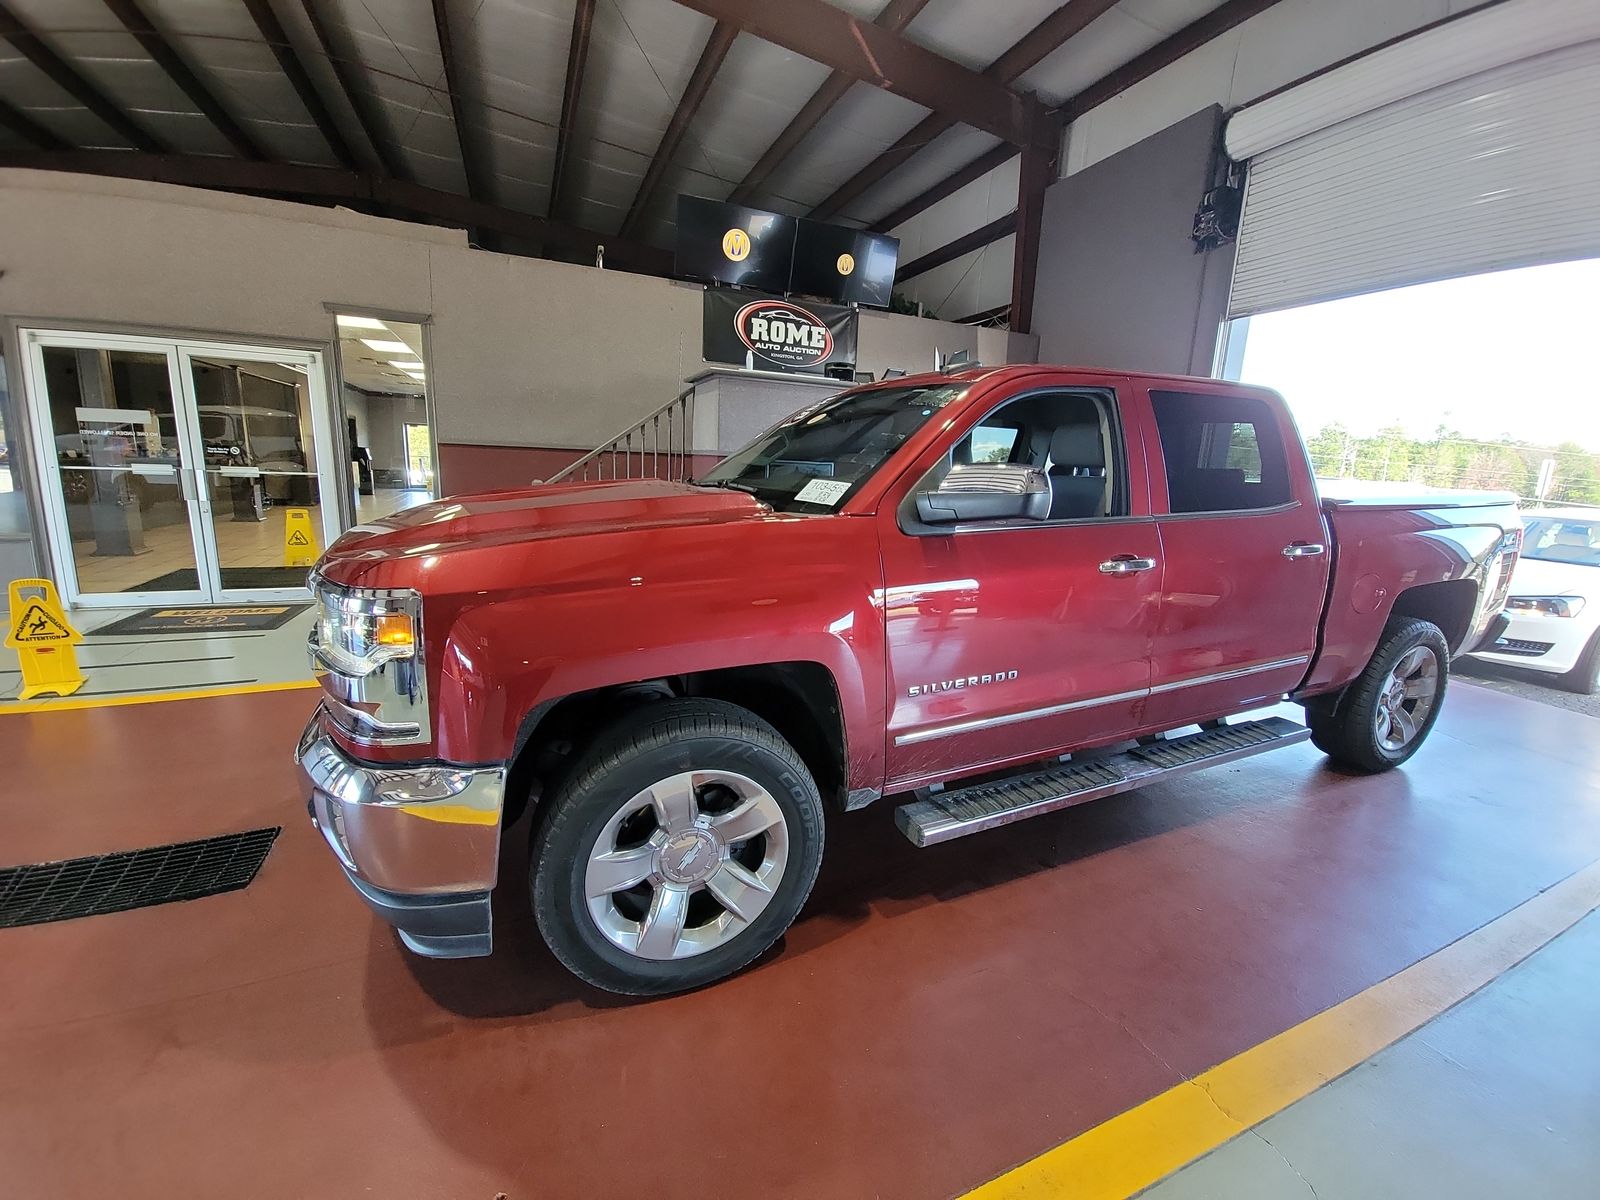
(511, 60)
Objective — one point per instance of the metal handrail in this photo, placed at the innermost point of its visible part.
(659, 443)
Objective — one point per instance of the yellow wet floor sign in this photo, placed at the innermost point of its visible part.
(299, 542)
(38, 631)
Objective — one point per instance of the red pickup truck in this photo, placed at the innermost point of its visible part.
(990, 594)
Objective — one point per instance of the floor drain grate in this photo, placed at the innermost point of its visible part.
(103, 883)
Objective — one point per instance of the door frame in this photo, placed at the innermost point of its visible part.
(336, 385)
(30, 340)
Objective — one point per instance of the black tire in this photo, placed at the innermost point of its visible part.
(1345, 727)
(645, 747)
(1584, 678)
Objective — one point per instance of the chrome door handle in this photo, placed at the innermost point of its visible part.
(1127, 565)
(1304, 549)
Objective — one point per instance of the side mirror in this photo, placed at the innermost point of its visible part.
(987, 492)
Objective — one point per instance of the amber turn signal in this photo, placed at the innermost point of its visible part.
(394, 629)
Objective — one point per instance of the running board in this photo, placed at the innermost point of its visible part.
(953, 814)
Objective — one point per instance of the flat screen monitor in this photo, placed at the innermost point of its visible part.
(728, 243)
(848, 265)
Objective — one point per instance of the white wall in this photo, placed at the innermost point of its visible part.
(1289, 40)
(524, 352)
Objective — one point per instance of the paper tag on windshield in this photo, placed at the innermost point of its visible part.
(823, 491)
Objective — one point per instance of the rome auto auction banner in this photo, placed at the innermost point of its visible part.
(776, 334)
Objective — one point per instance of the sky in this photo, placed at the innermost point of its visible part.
(1511, 355)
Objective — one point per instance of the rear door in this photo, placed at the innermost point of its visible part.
(1007, 640)
(1244, 548)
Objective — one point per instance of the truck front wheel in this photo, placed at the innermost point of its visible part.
(679, 848)
(1387, 711)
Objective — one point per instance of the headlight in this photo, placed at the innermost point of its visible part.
(360, 629)
(1552, 606)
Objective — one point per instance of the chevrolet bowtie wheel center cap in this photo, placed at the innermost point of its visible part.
(690, 857)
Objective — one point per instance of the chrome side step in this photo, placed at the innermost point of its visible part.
(953, 814)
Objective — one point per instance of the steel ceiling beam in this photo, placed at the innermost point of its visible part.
(1041, 160)
(60, 72)
(26, 128)
(965, 244)
(362, 104)
(471, 165)
(1191, 37)
(873, 54)
(705, 70)
(896, 15)
(277, 40)
(164, 55)
(1163, 54)
(974, 170)
(571, 93)
(1048, 36)
(303, 181)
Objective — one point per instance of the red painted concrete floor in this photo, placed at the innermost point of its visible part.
(935, 1017)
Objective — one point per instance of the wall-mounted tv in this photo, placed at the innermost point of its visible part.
(728, 243)
(839, 263)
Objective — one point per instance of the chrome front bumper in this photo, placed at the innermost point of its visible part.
(421, 844)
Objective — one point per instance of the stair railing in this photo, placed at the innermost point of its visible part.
(658, 447)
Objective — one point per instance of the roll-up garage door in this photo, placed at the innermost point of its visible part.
(1499, 169)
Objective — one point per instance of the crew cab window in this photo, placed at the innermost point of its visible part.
(993, 443)
(1070, 436)
(1222, 453)
(814, 460)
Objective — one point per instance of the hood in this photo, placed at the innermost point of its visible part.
(1536, 577)
(535, 514)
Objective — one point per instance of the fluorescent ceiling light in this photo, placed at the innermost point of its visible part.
(383, 347)
(407, 364)
(417, 375)
(360, 322)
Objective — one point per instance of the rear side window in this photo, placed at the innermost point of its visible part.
(1223, 453)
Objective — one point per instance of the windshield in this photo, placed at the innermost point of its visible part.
(1553, 539)
(814, 460)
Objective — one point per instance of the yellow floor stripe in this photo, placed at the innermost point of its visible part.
(76, 702)
(1130, 1152)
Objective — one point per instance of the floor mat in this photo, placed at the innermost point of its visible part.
(188, 579)
(105, 883)
(203, 620)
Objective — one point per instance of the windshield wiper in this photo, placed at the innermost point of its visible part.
(734, 484)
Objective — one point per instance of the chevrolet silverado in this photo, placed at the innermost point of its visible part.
(990, 594)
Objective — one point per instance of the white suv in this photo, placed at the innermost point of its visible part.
(1555, 599)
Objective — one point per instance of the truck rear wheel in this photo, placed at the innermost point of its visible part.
(680, 847)
(1388, 710)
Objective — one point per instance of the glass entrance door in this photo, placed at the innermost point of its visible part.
(257, 418)
(168, 466)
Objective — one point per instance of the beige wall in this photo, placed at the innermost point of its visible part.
(523, 351)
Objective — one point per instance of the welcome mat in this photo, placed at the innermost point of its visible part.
(203, 620)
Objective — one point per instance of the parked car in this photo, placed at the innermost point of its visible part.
(682, 679)
(1554, 603)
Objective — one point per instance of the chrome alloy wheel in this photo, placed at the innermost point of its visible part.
(686, 865)
(1406, 698)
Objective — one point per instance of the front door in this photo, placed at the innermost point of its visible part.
(168, 466)
(1011, 641)
(1245, 552)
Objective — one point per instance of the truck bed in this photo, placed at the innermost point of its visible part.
(1356, 493)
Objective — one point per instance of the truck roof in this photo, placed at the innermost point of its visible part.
(1022, 370)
